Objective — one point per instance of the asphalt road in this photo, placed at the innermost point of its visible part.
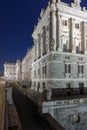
(29, 119)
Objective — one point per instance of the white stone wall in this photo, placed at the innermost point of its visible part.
(10, 71)
(61, 31)
(60, 38)
(18, 70)
(71, 114)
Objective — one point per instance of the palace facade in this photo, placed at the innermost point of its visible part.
(57, 63)
(58, 58)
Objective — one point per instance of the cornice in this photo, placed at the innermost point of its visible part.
(68, 10)
(41, 22)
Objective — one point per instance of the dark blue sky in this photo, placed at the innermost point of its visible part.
(17, 19)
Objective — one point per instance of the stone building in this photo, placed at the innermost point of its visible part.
(60, 40)
(21, 70)
(18, 70)
(60, 65)
(26, 65)
(10, 71)
(58, 62)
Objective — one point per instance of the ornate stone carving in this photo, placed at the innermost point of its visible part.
(64, 39)
(53, 7)
(54, 1)
(76, 42)
(75, 118)
(42, 12)
(77, 3)
(38, 19)
(53, 46)
(47, 47)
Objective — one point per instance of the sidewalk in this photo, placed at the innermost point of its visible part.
(2, 107)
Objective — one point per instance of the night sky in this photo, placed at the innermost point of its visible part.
(17, 20)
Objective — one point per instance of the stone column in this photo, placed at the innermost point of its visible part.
(50, 31)
(47, 41)
(35, 48)
(53, 18)
(72, 47)
(84, 38)
(59, 44)
(39, 45)
(44, 40)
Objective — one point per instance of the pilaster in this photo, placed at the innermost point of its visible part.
(44, 40)
(35, 48)
(53, 18)
(72, 36)
(59, 32)
(39, 42)
(84, 37)
(50, 31)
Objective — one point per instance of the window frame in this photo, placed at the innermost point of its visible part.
(67, 68)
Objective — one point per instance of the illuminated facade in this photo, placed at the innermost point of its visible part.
(10, 71)
(60, 40)
(58, 61)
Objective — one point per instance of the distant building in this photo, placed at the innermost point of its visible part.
(26, 65)
(18, 70)
(21, 70)
(10, 71)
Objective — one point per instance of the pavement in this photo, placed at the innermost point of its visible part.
(2, 104)
(29, 119)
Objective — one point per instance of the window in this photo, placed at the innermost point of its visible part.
(68, 88)
(34, 84)
(77, 49)
(10, 73)
(68, 85)
(44, 69)
(34, 73)
(86, 44)
(67, 68)
(67, 57)
(77, 25)
(80, 69)
(43, 86)
(80, 58)
(6, 67)
(81, 85)
(81, 88)
(38, 71)
(38, 87)
(47, 27)
(64, 47)
(64, 22)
